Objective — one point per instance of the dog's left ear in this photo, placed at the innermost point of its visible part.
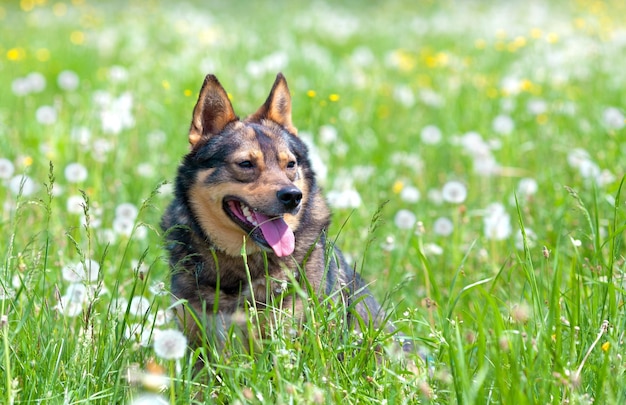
(277, 107)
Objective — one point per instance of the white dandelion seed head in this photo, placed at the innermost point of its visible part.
(497, 222)
(454, 192)
(328, 134)
(36, 82)
(149, 399)
(537, 106)
(75, 173)
(434, 196)
(443, 226)
(76, 293)
(531, 239)
(404, 95)
(527, 187)
(145, 169)
(46, 115)
(20, 87)
(123, 226)
(432, 249)
(158, 288)
(68, 80)
(138, 332)
(126, 211)
(163, 317)
(431, 135)
(80, 135)
(118, 74)
(410, 194)
(348, 198)
(139, 306)
(79, 272)
(503, 124)
(613, 118)
(405, 219)
(119, 305)
(6, 169)
(69, 308)
(170, 344)
(75, 204)
(23, 184)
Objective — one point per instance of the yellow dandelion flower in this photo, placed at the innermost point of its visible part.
(77, 37)
(397, 186)
(542, 119)
(552, 38)
(334, 97)
(311, 93)
(480, 44)
(27, 161)
(606, 346)
(525, 85)
(59, 9)
(536, 33)
(27, 5)
(187, 93)
(16, 54)
(42, 55)
(165, 84)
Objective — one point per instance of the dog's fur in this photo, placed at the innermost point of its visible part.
(259, 168)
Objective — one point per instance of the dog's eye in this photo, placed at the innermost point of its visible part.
(246, 164)
(291, 164)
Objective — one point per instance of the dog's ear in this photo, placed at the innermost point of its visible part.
(212, 112)
(277, 107)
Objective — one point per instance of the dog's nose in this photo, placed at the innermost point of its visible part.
(290, 197)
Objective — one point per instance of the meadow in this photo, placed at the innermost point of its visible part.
(473, 152)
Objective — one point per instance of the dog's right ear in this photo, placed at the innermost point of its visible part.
(212, 112)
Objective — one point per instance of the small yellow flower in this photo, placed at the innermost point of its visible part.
(77, 37)
(188, 93)
(480, 44)
(27, 5)
(16, 54)
(397, 186)
(552, 38)
(27, 161)
(311, 93)
(606, 346)
(42, 54)
(536, 33)
(165, 84)
(542, 119)
(334, 97)
(59, 9)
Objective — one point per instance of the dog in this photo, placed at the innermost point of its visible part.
(248, 219)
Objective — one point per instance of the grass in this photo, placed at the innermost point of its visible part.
(522, 302)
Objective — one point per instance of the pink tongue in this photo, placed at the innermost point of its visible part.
(277, 234)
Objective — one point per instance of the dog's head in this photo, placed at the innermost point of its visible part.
(246, 178)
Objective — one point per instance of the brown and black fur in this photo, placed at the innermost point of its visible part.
(261, 161)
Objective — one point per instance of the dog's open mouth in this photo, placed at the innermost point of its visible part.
(272, 232)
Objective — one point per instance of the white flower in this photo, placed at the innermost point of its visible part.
(613, 118)
(145, 170)
(69, 308)
(119, 306)
(170, 344)
(162, 317)
(118, 74)
(75, 173)
(537, 106)
(434, 196)
(349, 198)
(503, 124)
(497, 222)
(136, 331)
(127, 211)
(149, 399)
(36, 82)
(123, 226)
(405, 219)
(443, 226)
(158, 288)
(432, 249)
(68, 80)
(46, 115)
(404, 95)
(75, 204)
(527, 187)
(531, 239)
(454, 192)
(431, 135)
(22, 184)
(6, 169)
(577, 156)
(410, 194)
(81, 135)
(328, 134)
(139, 306)
(80, 272)
(76, 293)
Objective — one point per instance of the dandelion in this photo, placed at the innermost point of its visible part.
(410, 194)
(139, 306)
(80, 135)
(520, 313)
(404, 95)
(119, 305)
(22, 184)
(497, 222)
(139, 333)
(127, 211)
(432, 249)
(434, 196)
(328, 134)
(527, 187)
(76, 293)
(75, 204)
(531, 239)
(443, 226)
(149, 399)
(68, 80)
(6, 169)
(145, 170)
(503, 125)
(170, 344)
(79, 272)
(348, 198)
(46, 115)
(75, 173)
(613, 118)
(69, 308)
(118, 74)
(36, 82)
(405, 219)
(431, 135)
(454, 192)
(162, 317)
(537, 107)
